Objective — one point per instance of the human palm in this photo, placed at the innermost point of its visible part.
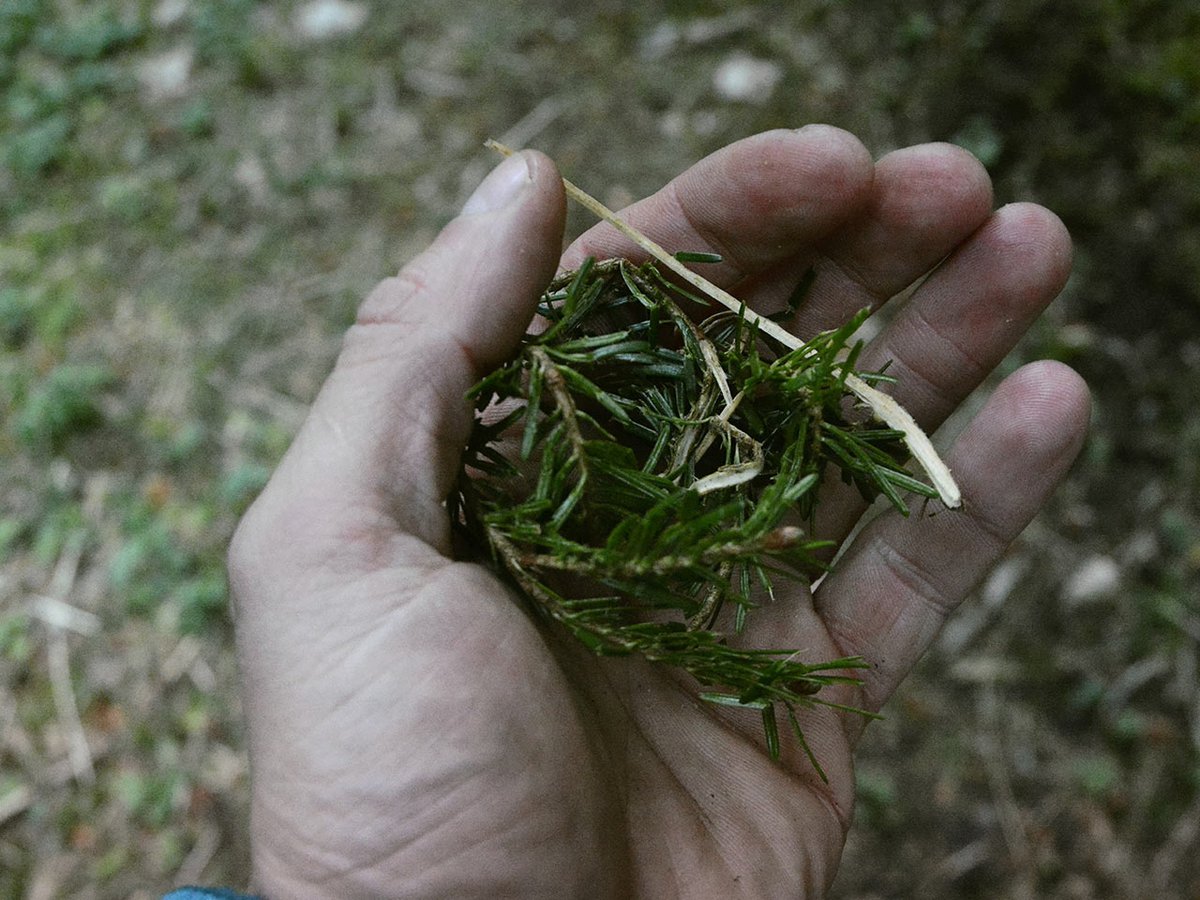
(413, 732)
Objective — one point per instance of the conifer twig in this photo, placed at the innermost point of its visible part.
(883, 406)
(644, 488)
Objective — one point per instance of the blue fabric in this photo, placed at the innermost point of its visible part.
(199, 893)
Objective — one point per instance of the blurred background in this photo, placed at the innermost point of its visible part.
(194, 194)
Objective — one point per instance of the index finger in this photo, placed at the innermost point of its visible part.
(759, 202)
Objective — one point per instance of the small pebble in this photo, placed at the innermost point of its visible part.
(745, 79)
(169, 13)
(1095, 578)
(166, 75)
(322, 20)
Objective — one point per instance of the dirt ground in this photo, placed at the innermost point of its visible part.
(195, 193)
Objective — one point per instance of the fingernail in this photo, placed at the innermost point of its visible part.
(500, 188)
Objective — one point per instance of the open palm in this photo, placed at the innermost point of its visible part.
(413, 732)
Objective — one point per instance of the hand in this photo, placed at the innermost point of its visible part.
(413, 732)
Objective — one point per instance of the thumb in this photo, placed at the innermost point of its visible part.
(386, 433)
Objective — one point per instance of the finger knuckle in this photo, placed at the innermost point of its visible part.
(392, 299)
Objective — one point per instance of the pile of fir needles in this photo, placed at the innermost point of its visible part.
(652, 472)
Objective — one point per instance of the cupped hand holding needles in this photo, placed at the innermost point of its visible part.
(413, 730)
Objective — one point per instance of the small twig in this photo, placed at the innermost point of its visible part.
(954, 866)
(711, 605)
(717, 555)
(562, 399)
(194, 864)
(722, 419)
(511, 559)
(698, 415)
(15, 802)
(884, 407)
(736, 473)
(63, 616)
(68, 711)
(59, 663)
(534, 122)
(66, 570)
